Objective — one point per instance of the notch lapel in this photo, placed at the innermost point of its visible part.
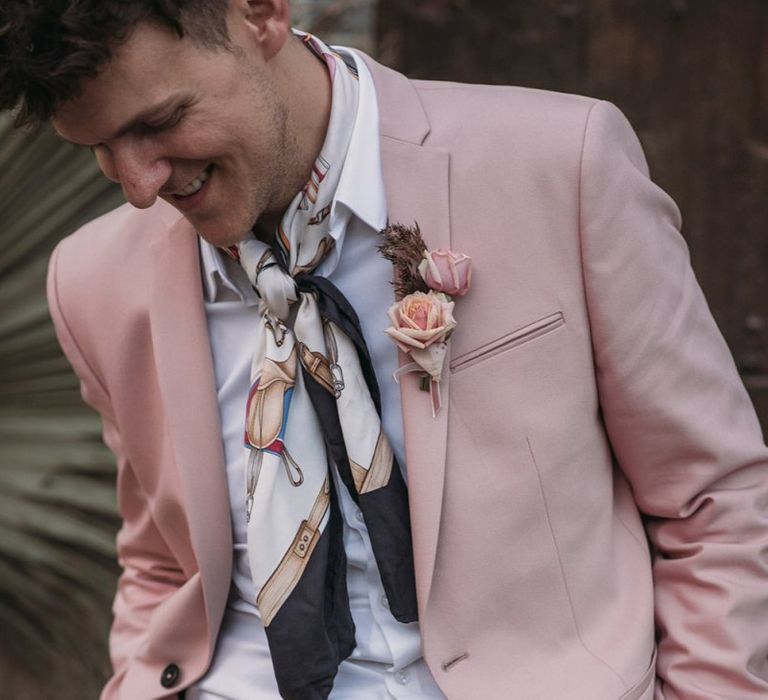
(188, 389)
(416, 183)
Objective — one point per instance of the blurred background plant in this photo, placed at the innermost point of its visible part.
(691, 77)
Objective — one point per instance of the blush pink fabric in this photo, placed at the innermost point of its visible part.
(588, 383)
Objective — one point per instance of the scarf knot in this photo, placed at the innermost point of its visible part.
(277, 290)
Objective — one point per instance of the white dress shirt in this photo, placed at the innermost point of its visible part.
(387, 661)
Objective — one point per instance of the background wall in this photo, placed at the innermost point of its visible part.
(691, 77)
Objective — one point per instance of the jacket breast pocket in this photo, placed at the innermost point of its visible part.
(516, 338)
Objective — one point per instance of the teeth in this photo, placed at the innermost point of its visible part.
(195, 185)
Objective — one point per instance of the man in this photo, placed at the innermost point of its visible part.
(586, 385)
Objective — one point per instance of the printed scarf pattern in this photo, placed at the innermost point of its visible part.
(314, 406)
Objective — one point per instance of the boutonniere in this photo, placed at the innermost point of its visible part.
(422, 315)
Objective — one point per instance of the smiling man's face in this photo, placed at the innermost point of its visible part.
(210, 131)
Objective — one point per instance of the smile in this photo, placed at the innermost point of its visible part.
(194, 186)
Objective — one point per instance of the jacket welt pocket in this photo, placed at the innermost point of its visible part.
(534, 330)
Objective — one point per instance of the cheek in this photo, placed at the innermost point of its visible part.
(201, 135)
(191, 143)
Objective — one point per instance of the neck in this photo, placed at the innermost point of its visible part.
(316, 104)
(266, 227)
(309, 110)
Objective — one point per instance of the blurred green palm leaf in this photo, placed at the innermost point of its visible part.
(57, 497)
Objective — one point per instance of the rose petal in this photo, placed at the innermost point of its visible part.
(405, 342)
(433, 268)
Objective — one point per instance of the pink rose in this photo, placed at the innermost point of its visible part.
(421, 325)
(446, 271)
(420, 320)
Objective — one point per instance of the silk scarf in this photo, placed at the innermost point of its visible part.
(314, 406)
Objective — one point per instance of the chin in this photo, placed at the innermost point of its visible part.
(221, 240)
(221, 234)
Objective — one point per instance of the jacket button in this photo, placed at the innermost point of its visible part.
(170, 675)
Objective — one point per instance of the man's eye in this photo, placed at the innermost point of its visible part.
(168, 123)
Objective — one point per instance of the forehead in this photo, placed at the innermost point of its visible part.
(146, 69)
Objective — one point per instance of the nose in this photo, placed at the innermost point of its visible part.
(137, 168)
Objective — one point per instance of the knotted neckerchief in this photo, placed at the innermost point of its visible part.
(314, 397)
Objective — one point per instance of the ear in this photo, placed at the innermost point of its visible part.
(268, 22)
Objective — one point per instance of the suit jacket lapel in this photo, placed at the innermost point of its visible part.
(416, 183)
(188, 389)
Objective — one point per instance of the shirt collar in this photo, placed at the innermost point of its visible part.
(361, 184)
(216, 277)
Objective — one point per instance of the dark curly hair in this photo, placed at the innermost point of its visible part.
(48, 47)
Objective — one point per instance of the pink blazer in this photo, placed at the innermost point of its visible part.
(589, 394)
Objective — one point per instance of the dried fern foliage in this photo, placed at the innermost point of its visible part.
(404, 247)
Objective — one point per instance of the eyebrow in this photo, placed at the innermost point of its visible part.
(147, 114)
(142, 117)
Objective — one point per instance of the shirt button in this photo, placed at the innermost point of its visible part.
(359, 516)
(385, 601)
(402, 677)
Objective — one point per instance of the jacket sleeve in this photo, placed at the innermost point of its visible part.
(150, 571)
(680, 423)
